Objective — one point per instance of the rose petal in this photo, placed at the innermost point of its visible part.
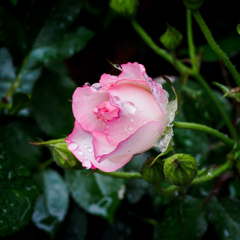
(83, 150)
(83, 105)
(132, 73)
(81, 141)
(136, 106)
(142, 140)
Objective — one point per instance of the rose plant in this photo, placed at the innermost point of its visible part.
(116, 118)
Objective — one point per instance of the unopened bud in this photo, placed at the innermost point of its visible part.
(193, 5)
(61, 154)
(125, 8)
(180, 169)
(171, 38)
(152, 174)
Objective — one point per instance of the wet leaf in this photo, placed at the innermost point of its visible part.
(224, 215)
(51, 206)
(51, 107)
(18, 191)
(64, 47)
(185, 220)
(95, 193)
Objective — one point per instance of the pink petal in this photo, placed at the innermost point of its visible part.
(80, 144)
(84, 102)
(137, 107)
(142, 140)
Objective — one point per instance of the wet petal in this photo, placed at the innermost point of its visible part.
(137, 107)
(84, 103)
(142, 140)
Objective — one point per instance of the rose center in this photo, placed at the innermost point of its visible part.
(105, 111)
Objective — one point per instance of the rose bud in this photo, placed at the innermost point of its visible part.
(125, 8)
(61, 154)
(193, 5)
(171, 38)
(180, 169)
(152, 174)
(117, 117)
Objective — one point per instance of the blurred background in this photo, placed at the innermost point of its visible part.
(93, 33)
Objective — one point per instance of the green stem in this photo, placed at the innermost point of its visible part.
(211, 175)
(215, 47)
(204, 178)
(203, 128)
(191, 46)
(121, 174)
(16, 83)
(162, 52)
(218, 105)
(185, 70)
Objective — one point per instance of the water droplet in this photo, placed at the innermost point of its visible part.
(10, 175)
(97, 86)
(116, 99)
(86, 164)
(80, 153)
(131, 120)
(129, 107)
(85, 146)
(87, 84)
(72, 146)
(90, 150)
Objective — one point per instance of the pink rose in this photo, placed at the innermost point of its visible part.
(116, 118)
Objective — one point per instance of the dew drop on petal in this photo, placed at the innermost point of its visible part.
(87, 84)
(80, 153)
(97, 86)
(86, 164)
(90, 150)
(72, 146)
(129, 107)
(85, 146)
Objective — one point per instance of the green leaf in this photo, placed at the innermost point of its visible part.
(95, 193)
(51, 206)
(224, 214)
(7, 71)
(64, 47)
(47, 23)
(229, 92)
(60, 18)
(50, 102)
(18, 191)
(9, 27)
(197, 106)
(20, 101)
(17, 136)
(182, 220)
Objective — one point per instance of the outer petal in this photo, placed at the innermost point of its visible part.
(83, 105)
(142, 140)
(80, 144)
(132, 73)
(137, 107)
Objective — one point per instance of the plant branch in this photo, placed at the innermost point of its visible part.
(162, 52)
(121, 174)
(215, 47)
(203, 128)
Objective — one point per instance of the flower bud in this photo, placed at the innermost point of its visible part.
(171, 38)
(60, 153)
(152, 174)
(125, 8)
(180, 169)
(193, 5)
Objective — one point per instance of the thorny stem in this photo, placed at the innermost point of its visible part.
(216, 48)
(185, 70)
